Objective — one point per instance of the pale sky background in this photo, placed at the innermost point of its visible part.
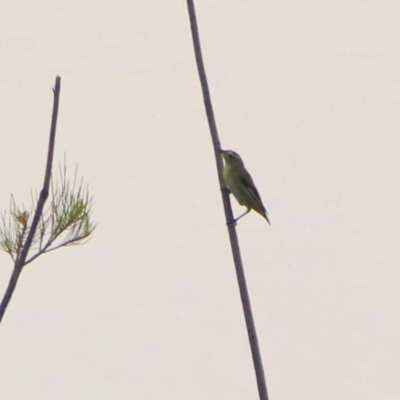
(308, 93)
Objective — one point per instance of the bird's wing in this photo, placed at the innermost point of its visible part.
(247, 181)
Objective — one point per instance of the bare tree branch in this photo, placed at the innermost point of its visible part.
(20, 261)
(251, 329)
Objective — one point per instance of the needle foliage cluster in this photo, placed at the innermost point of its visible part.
(65, 222)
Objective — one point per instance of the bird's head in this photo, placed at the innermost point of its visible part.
(231, 158)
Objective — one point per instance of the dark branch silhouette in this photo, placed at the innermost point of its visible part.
(69, 212)
(251, 330)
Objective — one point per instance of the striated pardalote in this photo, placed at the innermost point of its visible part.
(241, 184)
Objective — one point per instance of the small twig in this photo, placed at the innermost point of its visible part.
(20, 261)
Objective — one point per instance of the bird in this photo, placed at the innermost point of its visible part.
(241, 185)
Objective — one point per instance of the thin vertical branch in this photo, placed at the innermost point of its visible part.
(251, 329)
(20, 261)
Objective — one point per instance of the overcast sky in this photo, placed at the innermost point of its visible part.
(308, 93)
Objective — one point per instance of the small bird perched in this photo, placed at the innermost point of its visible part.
(241, 185)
